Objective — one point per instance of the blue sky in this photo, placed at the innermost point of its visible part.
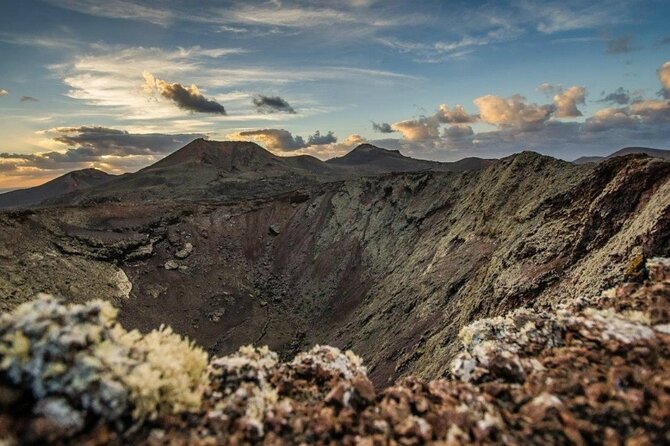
(119, 84)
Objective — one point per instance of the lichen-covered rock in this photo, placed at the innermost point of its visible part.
(185, 251)
(79, 366)
(591, 371)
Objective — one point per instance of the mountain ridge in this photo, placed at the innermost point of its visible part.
(657, 153)
(70, 182)
(236, 170)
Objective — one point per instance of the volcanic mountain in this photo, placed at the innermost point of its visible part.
(391, 266)
(229, 171)
(70, 182)
(657, 153)
(370, 159)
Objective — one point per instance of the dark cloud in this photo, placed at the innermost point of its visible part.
(100, 141)
(28, 99)
(382, 127)
(273, 139)
(664, 41)
(186, 98)
(318, 139)
(91, 145)
(620, 96)
(458, 131)
(272, 104)
(619, 45)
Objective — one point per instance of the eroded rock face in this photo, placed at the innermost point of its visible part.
(391, 266)
(589, 371)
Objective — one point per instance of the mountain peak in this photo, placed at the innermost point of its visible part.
(368, 148)
(224, 155)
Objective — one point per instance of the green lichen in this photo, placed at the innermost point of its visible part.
(80, 360)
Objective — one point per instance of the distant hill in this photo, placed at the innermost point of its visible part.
(369, 159)
(234, 170)
(657, 153)
(212, 170)
(229, 171)
(70, 182)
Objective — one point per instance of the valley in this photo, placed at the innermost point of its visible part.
(391, 266)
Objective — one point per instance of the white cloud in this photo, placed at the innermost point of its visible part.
(3, 92)
(566, 101)
(273, 139)
(664, 76)
(422, 129)
(118, 9)
(112, 78)
(456, 115)
(513, 111)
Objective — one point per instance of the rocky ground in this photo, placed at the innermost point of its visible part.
(588, 371)
(390, 266)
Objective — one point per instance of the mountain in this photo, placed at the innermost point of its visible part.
(230, 171)
(370, 159)
(211, 170)
(70, 182)
(657, 153)
(391, 266)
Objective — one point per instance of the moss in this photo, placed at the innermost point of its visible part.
(635, 271)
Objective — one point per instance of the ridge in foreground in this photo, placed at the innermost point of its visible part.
(589, 371)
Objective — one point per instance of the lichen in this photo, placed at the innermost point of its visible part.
(592, 370)
(80, 360)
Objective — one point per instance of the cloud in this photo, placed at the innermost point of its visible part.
(549, 89)
(609, 118)
(457, 115)
(421, 129)
(521, 125)
(554, 17)
(664, 77)
(458, 132)
(620, 96)
(651, 111)
(118, 9)
(3, 92)
(111, 149)
(618, 45)
(382, 127)
(513, 111)
(109, 78)
(282, 141)
(28, 99)
(272, 104)
(566, 102)
(318, 139)
(273, 139)
(442, 51)
(186, 98)
(333, 149)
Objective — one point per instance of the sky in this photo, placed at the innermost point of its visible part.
(119, 84)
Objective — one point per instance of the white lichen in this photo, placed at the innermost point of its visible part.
(76, 360)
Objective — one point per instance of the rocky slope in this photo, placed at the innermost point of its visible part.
(588, 371)
(391, 266)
